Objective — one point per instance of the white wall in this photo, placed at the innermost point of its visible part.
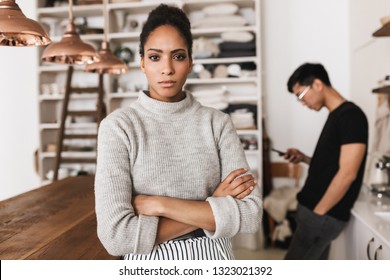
(295, 32)
(18, 115)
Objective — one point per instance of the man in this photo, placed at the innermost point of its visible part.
(336, 168)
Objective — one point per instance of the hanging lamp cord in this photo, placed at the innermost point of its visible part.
(105, 17)
(71, 11)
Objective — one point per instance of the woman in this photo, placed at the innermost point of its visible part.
(158, 185)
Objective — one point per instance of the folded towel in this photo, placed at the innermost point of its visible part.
(204, 48)
(248, 66)
(204, 74)
(219, 106)
(242, 119)
(237, 53)
(221, 71)
(220, 9)
(209, 92)
(237, 46)
(232, 49)
(238, 36)
(250, 107)
(220, 21)
(210, 99)
(250, 15)
(234, 70)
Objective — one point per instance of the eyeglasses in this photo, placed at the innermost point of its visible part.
(303, 93)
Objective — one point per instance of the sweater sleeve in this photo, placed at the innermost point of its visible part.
(231, 215)
(119, 229)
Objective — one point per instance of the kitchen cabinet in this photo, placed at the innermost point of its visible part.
(369, 245)
(366, 237)
(241, 88)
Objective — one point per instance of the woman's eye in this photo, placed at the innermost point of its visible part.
(180, 57)
(153, 57)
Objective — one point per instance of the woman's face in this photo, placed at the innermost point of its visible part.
(166, 63)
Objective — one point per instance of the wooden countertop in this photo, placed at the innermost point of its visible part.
(53, 222)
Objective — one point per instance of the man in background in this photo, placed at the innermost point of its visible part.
(335, 169)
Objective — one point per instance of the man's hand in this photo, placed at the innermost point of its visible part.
(296, 156)
(235, 186)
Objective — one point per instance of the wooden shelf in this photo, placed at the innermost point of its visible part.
(216, 31)
(248, 131)
(57, 97)
(383, 31)
(385, 89)
(78, 11)
(43, 126)
(243, 90)
(242, 80)
(114, 95)
(226, 60)
(71, 155)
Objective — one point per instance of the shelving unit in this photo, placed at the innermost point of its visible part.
(384, 31)
(385, 89)
(123, 90)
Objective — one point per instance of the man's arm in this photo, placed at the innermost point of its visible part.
(351, 157)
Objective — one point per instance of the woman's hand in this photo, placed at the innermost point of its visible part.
(146, 205)
(235, 186)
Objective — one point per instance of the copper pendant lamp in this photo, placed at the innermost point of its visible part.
(108, 63)
(18, 30)
(71, 49)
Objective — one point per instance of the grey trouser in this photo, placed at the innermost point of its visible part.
(313, 235)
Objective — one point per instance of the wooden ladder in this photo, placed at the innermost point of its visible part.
(99, 113)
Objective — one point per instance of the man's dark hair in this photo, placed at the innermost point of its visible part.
(305, 75)
(166, 15)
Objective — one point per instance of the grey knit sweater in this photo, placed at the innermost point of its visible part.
(180, 150)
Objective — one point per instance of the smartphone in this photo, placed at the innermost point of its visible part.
(279, 152)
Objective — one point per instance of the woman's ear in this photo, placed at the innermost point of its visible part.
(142, 63)
(191, 65)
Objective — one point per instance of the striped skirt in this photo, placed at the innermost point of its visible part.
(198, 248)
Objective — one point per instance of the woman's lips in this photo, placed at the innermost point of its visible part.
(167, 83)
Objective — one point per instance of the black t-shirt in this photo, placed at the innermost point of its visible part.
(345, 125)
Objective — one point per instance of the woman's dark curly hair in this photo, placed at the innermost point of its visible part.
(166, 15)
